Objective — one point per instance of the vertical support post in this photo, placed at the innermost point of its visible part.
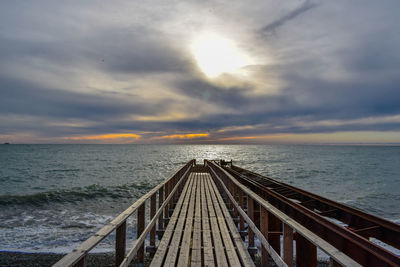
(306, 252)
(241, 204)
(231, 190)
(333, 263)
(288, 245)
(152, 214)
(235, 210)
(275, 226)
(264, 231)
(160, 218)
(250, 213)
(176, 179)
(82, 262)
(166, 208)
(172, 199)
(141, 215)
(120, 243)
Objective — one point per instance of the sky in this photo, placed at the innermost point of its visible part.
(302, 71)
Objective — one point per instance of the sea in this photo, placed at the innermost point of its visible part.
(53, 197)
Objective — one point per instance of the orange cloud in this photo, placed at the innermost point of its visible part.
(104, 137)
(182, 136)
(251, 137)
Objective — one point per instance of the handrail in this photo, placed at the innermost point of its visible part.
(143, 235)
(274, 255)
(78, 255)
(392, 229)
(333, 252)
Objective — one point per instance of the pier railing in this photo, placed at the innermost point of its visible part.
(166, 193)
(306, 241)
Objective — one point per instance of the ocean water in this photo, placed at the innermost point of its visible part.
(52, 197)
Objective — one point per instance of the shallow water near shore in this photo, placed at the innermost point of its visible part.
(52, 197)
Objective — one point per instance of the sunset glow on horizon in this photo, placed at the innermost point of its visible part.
(104, 137)
(182, 136)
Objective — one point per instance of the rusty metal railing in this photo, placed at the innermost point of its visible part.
(306, 241)
(167, 193)
(310, 210)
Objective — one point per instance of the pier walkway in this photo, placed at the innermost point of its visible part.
(201, 227)
(218, 214)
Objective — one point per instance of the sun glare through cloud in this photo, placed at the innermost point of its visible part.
(215, 55)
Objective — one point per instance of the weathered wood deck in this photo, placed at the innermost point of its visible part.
(200, 231)
(206, 217)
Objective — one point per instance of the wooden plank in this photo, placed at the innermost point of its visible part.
(163, 246)
(275, 225)
(196, 241)
(153, 208)
(229, 247)
(141, 216)
(172, 255)
(166, 209)
(241, 204)
(264, 231)
(288, 245)
(187, 232)
(160, 202)
(207, 242)
(236, 240)
(82, 262)
(306, 253)
(250, 213)
(333, 263)
(218, 244)
(120, 244)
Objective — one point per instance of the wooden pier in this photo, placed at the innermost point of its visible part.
(207, 215)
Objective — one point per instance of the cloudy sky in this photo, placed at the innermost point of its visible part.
(200, 71)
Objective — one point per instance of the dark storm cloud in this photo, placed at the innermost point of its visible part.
(206, 91)
(126, 51)
(304, 7)
(140, 52)
(346, 100)
(23, 98)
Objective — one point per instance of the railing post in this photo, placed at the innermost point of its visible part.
(250, 213)
(241, 204)
(120, 243)
(175, 181)
(166, 208)
(264, 231)
(172, 199)
(160, 218)
(235, 210)
(275, 226)
(306, 252)
(152, 214)
(141, 215)
(231, 190)
(82, 262)
(288, 245)
(333, 263)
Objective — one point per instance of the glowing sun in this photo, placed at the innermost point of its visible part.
(216, 55)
